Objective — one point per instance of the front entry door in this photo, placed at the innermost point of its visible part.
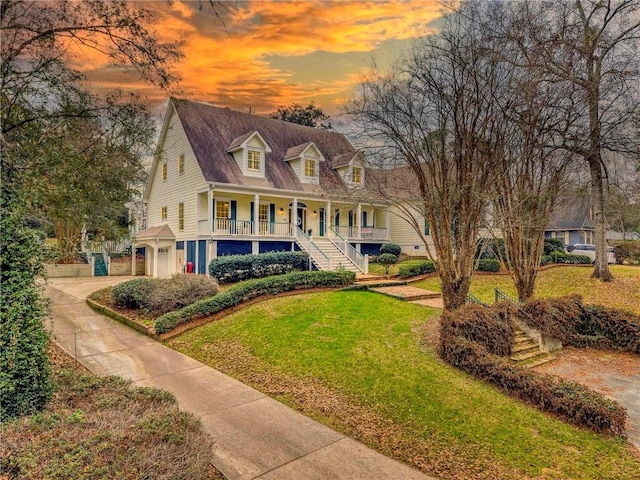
(322, 220)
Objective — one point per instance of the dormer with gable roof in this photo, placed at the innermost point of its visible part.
(350, 166)
(249, 151)
(305, 160)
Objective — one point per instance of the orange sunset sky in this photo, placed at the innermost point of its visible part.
(265, 53)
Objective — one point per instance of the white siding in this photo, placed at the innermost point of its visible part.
(405, 235)
(178, 188)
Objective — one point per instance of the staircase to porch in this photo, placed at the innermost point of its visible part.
(324, 254)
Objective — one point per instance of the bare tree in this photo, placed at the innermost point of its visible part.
(432, 126)
(593, 47)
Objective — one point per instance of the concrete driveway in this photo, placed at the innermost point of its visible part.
(256, 437)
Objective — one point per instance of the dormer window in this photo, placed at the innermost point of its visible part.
(249, 152)
(350, 166)
(304, 159)
(309, 168)
(356, 175)
(253, 160)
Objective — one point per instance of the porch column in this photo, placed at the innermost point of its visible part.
(210, 211)
(155, 259)
(294, 214)
(328, 218)
(388, 214)
(133, 259)
(256, 212)
(359, 219)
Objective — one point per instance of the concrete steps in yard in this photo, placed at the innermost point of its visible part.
(526, 352)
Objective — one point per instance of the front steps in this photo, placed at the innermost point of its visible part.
(338, 259)
(527, 353)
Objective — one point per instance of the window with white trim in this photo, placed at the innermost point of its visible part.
(164, 172)
(163, 213)
(356, 174)
(253, 160)
(181, 164)
(181, 216)
(309, 168)
(222, 210)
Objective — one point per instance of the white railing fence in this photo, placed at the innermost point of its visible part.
(359, 260)
(315, 253)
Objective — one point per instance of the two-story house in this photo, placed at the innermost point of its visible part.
(224, 182)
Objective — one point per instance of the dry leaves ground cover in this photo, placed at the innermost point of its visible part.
(354, 360)
(102, 427)
(623, 292)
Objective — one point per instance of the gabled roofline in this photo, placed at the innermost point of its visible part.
(292, 156)
(156, 155)
(241, 142)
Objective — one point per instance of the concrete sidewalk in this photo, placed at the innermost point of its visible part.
(256, 437)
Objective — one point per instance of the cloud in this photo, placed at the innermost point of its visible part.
(264, 54)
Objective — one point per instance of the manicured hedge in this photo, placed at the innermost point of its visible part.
(578, 325)
(488, 265)
(560, 257)
(155, 296)
(415, 269)
(574, 402)
(477, 339)
(236, 268)
(251, 289)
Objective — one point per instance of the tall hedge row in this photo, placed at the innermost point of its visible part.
(477, 340)
(249, 290)
(236, 268)
(578, 325)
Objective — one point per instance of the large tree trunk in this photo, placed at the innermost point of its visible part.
(601, 265)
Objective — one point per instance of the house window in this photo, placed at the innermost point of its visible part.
(263, 213)
(222, 210)
(357, 174)
(164, 172)
(181, 164)
(163, 213)
(181, 216)
(427, 229)
(253, 160)
(309, 168)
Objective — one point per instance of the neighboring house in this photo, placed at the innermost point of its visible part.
(612, 235)
(572, 222)
(224, 182)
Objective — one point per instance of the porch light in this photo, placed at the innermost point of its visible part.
(315, 214)
(281, 211)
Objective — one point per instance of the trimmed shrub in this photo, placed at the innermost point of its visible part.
(476, 339)
(251, 289)
(235, 268)
(386, 260)
(488, 265)
(133, 294)
(578, 325)
(546, 260)
(572, 401)
(553, 245)
(415, 269)
(560, 257)
(156, 296)
(492, 328)
(392, 248)
(627, 252)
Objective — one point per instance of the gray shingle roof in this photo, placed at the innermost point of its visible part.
(571, 214)
(212, 130)
(160, 231)
(344, 159)
(296, 151)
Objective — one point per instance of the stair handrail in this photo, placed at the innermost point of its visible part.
(105, 257)
(472, 299)
(305, 242)
(359, 260)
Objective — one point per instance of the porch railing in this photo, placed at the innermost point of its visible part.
(245, 228)
(315, 254)
(369, 233)
(360, 261)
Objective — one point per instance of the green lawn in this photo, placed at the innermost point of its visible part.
(354, 360)
(623, 292)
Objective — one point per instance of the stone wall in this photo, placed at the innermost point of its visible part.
(69, 270)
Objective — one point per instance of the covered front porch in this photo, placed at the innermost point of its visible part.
(232, 215)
